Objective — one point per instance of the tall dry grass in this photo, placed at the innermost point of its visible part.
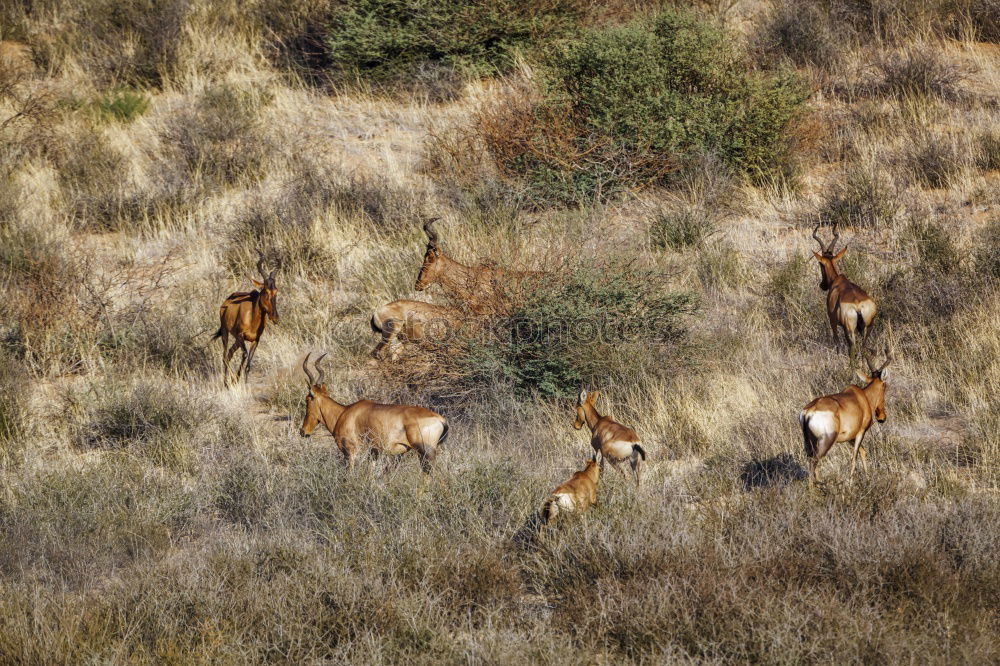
(148, 514)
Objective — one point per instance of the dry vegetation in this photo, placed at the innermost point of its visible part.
(147, 149)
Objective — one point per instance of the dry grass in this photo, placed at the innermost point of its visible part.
(147, 514)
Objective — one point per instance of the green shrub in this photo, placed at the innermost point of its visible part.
(589, 322)
(627, 105)
(401, 41)
(682, 226)
(123, 105)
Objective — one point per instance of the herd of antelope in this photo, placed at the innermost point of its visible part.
(365, 426)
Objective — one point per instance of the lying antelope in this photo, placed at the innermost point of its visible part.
(244, 315)
(485, 289)
(615, 442)
(847, 304)
(368, 426)
(574, 496)
(410, 321)
(843, 417)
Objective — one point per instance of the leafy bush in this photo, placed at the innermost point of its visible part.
(586, 323)
(623, 107)
(864, 197)
(399, 41)
(123, 105)
(682, 226)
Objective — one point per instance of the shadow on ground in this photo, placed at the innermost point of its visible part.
(779, 470)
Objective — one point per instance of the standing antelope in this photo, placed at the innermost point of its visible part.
(612, 440)
(410, 321)
(843, 417)
(244, 315)
(574, 496)
(485, 289)
(365, 425)
(847, 304)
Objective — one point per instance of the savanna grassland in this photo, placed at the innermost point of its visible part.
(666, 165)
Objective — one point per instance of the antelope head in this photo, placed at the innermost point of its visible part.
(827, 259)
(875, 387)
(586, 399)
(431, 267)
(317, 395)
(268, 290)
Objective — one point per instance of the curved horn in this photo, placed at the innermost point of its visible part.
(822, 248)
(887, 360)
(432, 237)
(322, 372)
(277, 267)
(305, 369)
(835, 237)
(868, 360)
(260, 263)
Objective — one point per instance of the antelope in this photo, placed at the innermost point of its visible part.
(368, 426)
(243, 315)
(843, 417)
(482, 288)
(409, 321)
(574, 496)
(847, 304)
(615, 442)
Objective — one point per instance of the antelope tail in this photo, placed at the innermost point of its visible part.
(808, 438)
(218, 333)
(549, 510)
(860, 325)
(444, 434)
(374, 326)
(640, 450)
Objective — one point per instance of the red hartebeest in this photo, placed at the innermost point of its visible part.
(843, 417)
(847, 304)
(485, 289)
(411, 321)
(615, 442)
(574, 496)
(244, 315)
(365, 425)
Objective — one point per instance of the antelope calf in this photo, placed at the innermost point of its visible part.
(244, 315)
(409, 321)
(574, 496)
(368, 426)
(484, 289)
(843, 417)
(615, 442)
(847, 304)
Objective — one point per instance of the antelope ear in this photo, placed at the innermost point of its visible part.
(593, 397)
(862, 376)
(840, 255)
(884, 375)
(583, 396)
(819, 257)
(259, 285)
